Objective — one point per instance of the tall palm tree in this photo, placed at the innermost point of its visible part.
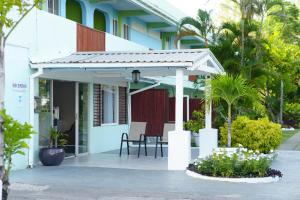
(230, 89)
(201, 26)
(264, 8)
(246, 8)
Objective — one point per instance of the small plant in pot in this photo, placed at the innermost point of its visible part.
(195, 125)
(55, 153)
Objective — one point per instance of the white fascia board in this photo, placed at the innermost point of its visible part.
(217, 63)
(201, 64)
(155, 11)
(110, 65)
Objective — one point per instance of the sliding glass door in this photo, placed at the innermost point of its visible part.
(82, 118)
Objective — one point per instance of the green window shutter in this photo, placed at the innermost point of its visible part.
(123, 110)
(99, 21)
(74, 11)
(97, 105)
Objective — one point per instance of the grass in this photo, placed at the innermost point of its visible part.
(287, 134)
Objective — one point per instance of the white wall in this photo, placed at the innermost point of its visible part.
(114, 43)
(47, 36)
(40, 36)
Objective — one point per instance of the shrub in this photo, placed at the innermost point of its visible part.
(292, 114)
(15, 135)
(260, 134)
(242, 163)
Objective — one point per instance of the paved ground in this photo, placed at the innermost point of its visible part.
(93, 183)
(293, 143)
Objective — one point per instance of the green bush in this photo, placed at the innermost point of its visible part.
(291, 114)
(243, 163)
(261, 134)
(196, 123)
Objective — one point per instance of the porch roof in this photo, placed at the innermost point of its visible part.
(193, 61)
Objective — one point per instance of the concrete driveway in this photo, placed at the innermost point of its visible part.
(90, 183)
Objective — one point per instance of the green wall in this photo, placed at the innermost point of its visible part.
(99, 21)
(74, 11)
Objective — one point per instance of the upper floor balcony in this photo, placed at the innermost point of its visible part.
(139, 21)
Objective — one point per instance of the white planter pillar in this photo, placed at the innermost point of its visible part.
(208, 137)
(179, 141)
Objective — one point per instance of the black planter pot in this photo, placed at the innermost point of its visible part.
(52, 156)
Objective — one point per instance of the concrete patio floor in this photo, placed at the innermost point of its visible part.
(73, 181)
(111, 159)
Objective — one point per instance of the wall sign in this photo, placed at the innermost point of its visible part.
(20, 87)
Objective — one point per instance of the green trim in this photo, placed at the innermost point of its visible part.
(163, 40)
(164, 36)
(156, 25)
(191, 41)
(132, 13)
(196, 47)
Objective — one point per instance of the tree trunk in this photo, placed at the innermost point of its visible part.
(2, 86)
(242, 42)
(229, 127)
(5, 188)
(206, 42)
(281, 103)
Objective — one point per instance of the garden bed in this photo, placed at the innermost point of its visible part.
(237, 165)
(233, 180)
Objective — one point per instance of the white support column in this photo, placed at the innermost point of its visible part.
(208, 102)
(179, 101)
(179, 141)
(208, 137)
(31, 115)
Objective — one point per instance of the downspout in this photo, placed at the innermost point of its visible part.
(144, 89)
(135, 92)
(187, 107)
(31, 114)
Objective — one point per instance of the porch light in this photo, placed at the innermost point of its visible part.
(136, 76)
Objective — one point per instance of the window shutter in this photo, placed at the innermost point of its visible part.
(123, 105)
(97, 105)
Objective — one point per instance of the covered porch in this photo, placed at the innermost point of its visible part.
(117, 68)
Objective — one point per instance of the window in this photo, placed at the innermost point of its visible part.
(115, 27)
(126, 32)
(53, 6)
(109, 104)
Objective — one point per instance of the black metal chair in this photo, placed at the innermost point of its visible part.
(136, 134)
(163, 139)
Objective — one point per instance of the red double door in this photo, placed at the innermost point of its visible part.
(156, 108)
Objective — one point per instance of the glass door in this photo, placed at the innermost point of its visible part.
(82, 139)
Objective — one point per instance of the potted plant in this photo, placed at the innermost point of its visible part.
(195, 125)
(55, 153)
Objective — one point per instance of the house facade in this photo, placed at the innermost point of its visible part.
(93, 109)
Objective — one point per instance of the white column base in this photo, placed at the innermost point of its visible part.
(208, 141)
(179, 150)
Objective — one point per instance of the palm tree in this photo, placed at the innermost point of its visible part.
(264, 8)
(246, 8)
(200, 26)
(230, 89)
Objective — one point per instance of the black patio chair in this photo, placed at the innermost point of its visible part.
(164, 138)
(136, 134)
